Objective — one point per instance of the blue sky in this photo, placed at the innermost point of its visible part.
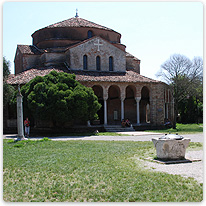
(151, 31)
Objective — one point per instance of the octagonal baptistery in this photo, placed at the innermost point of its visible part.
(72, 31)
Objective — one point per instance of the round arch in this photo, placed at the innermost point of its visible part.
(130, 107)
(130, 91)
(98, 91)
(114, 105)
(114, 92)
(145, 105)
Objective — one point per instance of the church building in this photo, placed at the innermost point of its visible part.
(95, 54)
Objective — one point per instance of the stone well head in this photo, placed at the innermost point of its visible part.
(171, 146)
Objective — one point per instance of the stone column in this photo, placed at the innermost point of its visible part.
(20, 124)
(122, 108)
(122, 98)
(105, 111)
(105, 97)
(138, 115)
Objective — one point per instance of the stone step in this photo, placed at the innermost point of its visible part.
(118, 128)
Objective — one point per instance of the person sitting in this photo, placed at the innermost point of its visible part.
(123, 123)
(128, 124)
(167, 123)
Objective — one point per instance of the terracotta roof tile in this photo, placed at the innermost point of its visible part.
(131, 56)
(26, 76)
(29, 49)
(128, 76)
(86, 40)
(77, 22)
(82, 76)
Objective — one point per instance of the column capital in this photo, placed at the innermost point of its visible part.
(105, 98)
(137, 99)
(122, 98)
(105, 93)
(122, 95)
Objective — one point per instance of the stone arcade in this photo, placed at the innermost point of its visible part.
(94, 53)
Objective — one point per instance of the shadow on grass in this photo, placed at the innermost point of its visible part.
(182, 129)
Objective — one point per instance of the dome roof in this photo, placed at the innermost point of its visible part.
(71, 31)
(78, 22)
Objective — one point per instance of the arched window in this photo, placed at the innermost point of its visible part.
(111, 63)
(85, 62)
(98, 63)
(89, 34)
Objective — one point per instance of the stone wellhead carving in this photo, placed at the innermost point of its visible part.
(171, 147)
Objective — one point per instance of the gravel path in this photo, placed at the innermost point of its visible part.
(134, 136)
(194, 169)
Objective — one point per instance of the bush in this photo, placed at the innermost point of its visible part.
(58, 97)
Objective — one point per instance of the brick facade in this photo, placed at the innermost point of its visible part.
(96, 56)
(105, 51)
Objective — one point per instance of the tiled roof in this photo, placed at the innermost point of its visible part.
(130, 55)
(29, 49)
(77, 22)
(128, 76)
(82, 76)
(26, 76)
(86, 40)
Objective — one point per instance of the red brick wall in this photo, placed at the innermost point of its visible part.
(18, 62)
(43, 37)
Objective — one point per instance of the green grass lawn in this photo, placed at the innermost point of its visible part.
(182, 129)
(106, 171)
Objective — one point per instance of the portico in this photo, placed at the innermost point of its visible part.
(120, 101)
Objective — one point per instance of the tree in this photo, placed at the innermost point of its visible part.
(58, 97)
(8, 90)
(183, 76)
(188, 110)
